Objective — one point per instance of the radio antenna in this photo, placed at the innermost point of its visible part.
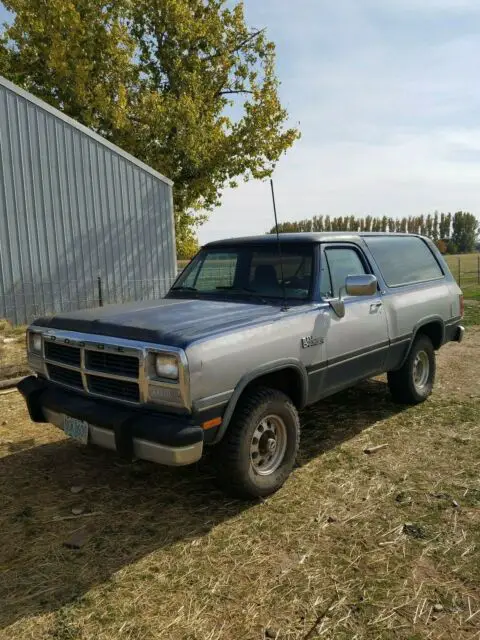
(285, 306)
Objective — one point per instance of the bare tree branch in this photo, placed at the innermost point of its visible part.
(229, 91)
(241, 44)
(252, 36)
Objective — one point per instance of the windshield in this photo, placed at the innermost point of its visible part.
(250, 270)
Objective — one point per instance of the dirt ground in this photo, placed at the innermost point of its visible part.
(354, 546)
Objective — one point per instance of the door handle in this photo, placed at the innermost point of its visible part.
(375, 306)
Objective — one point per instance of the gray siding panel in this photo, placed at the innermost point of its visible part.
(74, 207)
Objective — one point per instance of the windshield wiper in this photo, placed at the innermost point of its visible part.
(262, 296)
(183, 288)
(239, 289)
(253, 294)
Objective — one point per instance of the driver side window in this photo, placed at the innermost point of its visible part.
(337, 264)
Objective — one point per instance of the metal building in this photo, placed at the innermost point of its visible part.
(75, 208)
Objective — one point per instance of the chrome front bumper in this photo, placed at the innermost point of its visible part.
(142, 449)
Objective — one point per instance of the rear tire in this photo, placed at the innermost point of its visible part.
(413, 383)
(259, 448)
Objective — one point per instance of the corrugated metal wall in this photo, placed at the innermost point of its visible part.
(74, 207)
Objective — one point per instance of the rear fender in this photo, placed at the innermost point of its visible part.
(418, 329)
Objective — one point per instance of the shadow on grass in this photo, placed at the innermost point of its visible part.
(137, 509)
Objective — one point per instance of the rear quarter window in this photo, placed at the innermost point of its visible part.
(404, 260)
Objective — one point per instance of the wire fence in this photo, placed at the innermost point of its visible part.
(466, 269)
(32, 300)
(29, 300)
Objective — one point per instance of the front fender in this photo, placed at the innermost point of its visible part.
(251, 376)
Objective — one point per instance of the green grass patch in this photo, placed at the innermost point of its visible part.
(471, 292)
(472, 313)
(466, 270)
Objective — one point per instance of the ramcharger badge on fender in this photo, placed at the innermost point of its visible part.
(310, 341)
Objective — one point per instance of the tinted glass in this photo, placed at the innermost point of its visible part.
(216, 270)
(297, 273)
(251, 270)
(404, 260)
(340, 263)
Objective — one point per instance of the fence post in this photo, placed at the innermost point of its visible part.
(478, 268)
(100, 295)
(459, 272)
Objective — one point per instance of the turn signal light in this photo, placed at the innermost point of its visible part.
(462, 306)
(216, 422)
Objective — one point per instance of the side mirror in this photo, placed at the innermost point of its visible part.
(363, 285)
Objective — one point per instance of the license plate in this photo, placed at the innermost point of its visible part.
(77, 429)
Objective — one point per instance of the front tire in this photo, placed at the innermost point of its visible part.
(259, 448)
(413, 383)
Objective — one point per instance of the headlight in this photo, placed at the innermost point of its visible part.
(166, 367)
(36, 342)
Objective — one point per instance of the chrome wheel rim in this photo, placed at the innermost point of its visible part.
(268, 445)
(421, 370)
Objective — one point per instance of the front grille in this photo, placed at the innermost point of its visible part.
(65, 376)
(119, 365)
(118, 372)
(62, 353)
(120, 389)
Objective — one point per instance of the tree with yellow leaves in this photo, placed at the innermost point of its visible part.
(184, 85)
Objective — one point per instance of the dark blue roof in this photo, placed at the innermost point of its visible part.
(305, 237)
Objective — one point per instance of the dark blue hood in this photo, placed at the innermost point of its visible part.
(175, 322)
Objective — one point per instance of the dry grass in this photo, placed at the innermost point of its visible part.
(354, 546)
(13, 360)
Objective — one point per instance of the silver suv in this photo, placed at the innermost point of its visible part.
(251, 332)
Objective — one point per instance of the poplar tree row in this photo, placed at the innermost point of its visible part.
(455, 233)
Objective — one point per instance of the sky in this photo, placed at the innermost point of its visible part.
(387, 97)
(386, 94)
